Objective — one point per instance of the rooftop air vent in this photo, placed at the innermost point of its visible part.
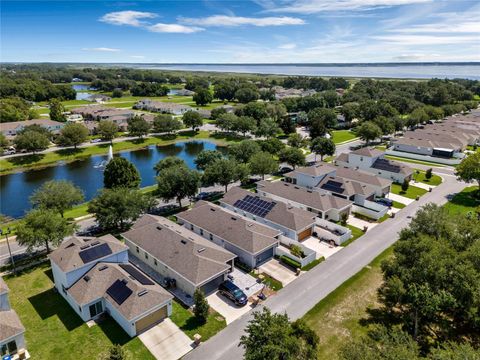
(101, 268)
(95, 243)
(201, 250)
(86, 278)
(183, 242)
(84, 247)
(233, 218)
(142, 292)
(159, 228)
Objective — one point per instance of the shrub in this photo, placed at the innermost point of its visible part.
(242, 266)
(290, 262)
(428, 174)
(297, 251)
(312, 264)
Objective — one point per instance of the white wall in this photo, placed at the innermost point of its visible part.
(413, 149)
(19, 340)
(370, 209)
(409, 155)
(329, 235)
(363, 162)
(4, 302)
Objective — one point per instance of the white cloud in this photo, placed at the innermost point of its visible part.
(414, 39)
(127, 17)
(226, 20)
(458, 27)
(288, 46)
(174, 28)
(316, 6)
(415, 57)
(101, 49)
(137, 56)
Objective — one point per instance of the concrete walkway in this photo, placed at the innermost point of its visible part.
(422, 185)
(166, 341)
(321, 247)
(359, 223)
(278, 271)
(400, 199)
(227, 308)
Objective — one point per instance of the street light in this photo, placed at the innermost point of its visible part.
(8, 231)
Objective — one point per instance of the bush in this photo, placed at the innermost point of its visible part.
(243, 266)
(290, 262)
(297, 251)
(313, 264)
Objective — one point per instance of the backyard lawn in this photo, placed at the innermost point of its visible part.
(340, 136)
(434, 180)
(464, 201)
(411, 193)
(54, 330)
(398, 205)
(336, 319)
(356, 233)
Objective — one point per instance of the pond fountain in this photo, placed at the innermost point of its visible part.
(101, 165)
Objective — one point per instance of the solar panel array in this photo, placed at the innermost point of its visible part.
(94, 253)
(384, 164)
(255, 205)
(119, 291)
(333, 186)
(142, 279)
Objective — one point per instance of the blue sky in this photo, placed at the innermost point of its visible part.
(260, 31)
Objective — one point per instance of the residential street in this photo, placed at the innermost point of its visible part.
(301, 295)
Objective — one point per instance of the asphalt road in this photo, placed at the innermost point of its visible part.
(301, 295)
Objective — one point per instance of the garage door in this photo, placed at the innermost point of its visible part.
(151, 319)
(304, 234)
(266, 255)
(212, 285)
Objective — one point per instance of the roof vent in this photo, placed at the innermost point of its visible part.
(191, 238)
(201, 250)
(250, 225)
(233, 218)
(159, 228)
(142, 292)
(86, 239)
(84, 247)
(183, 242)
(69, 245)
(86, 278)
(95, 243)
(296, 187)
(124, 281)
(211, 209)
(309, 191)
(101, 268)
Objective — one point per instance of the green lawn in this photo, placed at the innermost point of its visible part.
(340, 136)
(67, 155)
(464, 201)
(54, 330)
(411, 193)
(186, 321)
(434, 180)
(356, 233)
(271, 282)
(337, 318)
(413, 161)
(398, 205)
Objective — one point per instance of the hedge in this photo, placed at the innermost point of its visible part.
(314, 263)
(286, 260)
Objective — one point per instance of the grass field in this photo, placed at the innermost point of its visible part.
(340, 136)
(68, 155)
(336, 319)
(54, 330)
(435, 180)
(411, 193)
(464, 201)
(398, 205)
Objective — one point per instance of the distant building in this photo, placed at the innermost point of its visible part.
(162, 107)
(99, 98)
(11, 129)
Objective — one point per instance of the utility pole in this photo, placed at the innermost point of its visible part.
(8, 231)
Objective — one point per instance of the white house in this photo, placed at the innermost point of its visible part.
(10, 129)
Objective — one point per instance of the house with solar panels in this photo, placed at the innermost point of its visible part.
(252, 242)
(373, 161)
(295, 223)
(95, 277)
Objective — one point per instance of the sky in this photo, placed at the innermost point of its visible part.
(230, 31)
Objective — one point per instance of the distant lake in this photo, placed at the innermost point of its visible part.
(401, 71)
(82, 87)
(15, 189)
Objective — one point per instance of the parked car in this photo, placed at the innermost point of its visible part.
(93, 141)
(385, 202)
(233, 292)
(9, 151)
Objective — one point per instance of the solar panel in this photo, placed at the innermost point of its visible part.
(94, 253)
(119, 291)
(254, 205)
(142, 279)
(384, 164)
(333, 186)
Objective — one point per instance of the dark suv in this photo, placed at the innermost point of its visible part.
(233, 292)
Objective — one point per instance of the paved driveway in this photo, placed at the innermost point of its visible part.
(278, 271)
(400, 199)
(359, 223)
(166, 341)
(321, 247)
(227, 308)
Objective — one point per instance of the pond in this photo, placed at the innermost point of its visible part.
(15, 189)
(81, 90)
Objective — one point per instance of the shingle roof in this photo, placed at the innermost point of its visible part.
(370, 152)
(312, 199)
(244, 233)
(8, 126)
(343, 157)
(187, 253)
(281, 213)
(362, 176)
(10, 325)
(345, 186)
(67, 257)
(318, 169)
(104, 275)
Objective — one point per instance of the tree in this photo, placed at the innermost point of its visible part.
(169, 161)
(201, 306)
(118, 208)
(292, 156)
(417, 116)
(245, 124)
(272, 145)
(226, 122)
(57, 195)
(202, 96)
(192, 119)
(57, 110)
(72, 134)
(350, 111)
(296, 140)
(263, 163)
(107, 130)
(368, 131)
(138, 126)
(267, 127)
(117, 93)
(405, 185)
(243, 151)
(3, 142)
(177, 183)
(469, 169)
(206, 157)
(14, 109)
(225, 90)
(246, 95)
(428, 174)
(387, 125)
(31, 141)
(221, 171)
(43, 227)
(166, 123)
(273, 336)
(120, 172)
(322, 146)
(116, 352)
(327, 117)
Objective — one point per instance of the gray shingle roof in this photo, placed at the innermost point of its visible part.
(363, 177)
(318, 169)
(246, 234)
(346, 187)
(282, 214)
(10, 325)
(370, 152)
(103, 275)
(187, 253)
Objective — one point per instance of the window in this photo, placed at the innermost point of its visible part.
(9, 348)
(211, 237)
(201, 231)
(191, 227)
(146, 256)
(95, 309)
(155, 262)
(138, 250)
